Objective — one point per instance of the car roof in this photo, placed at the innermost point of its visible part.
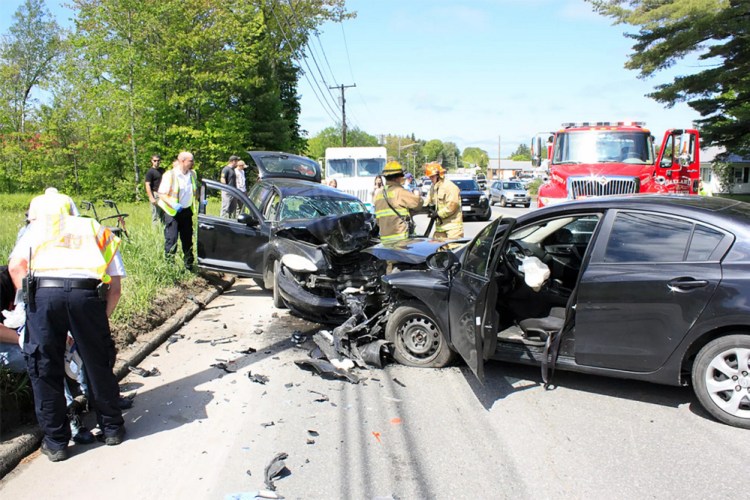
(710, 209)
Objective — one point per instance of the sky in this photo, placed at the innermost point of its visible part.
(479, 73)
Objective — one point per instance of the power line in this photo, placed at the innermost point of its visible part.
(329, 110)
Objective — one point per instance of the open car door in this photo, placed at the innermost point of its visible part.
(231, 242)
(678, 163)
(473, 296)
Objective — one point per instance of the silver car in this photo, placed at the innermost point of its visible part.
(509, 193)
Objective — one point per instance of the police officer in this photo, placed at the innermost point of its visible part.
(392, 205)
(70, 268)
(445, 196)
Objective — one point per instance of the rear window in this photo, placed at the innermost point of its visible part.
(298, 166)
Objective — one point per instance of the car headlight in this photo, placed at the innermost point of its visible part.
(482, 198)
(299, 263)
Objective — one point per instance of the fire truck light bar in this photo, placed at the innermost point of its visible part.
(603, 124)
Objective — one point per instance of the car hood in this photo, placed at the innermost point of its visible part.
(342, 233)
(413, 250)
(471, 192)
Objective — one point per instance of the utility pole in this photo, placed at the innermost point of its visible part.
(343, 110)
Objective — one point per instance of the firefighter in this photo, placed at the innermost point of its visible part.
(445, 196)
(393, 203)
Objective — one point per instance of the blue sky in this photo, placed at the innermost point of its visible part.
(472, 71)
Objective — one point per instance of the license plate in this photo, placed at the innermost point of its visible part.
(466, 209)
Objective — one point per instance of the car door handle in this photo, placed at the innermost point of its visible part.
(471, 297)
(685, 284)
(207, 227)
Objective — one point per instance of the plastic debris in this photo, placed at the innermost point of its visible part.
(322, 398)
(326, 370)
(399, 382)
(253, 495)
(258, 379)
(268, 424)
(225, 367)
(298, 337)
(376, 353)
(377, 436)
(276, 469)
(153, 372)
(249, 350)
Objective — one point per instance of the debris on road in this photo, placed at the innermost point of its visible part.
(399, 382)
(153, 372)
(298, 337)
(258, 379)
(224, 366)
(249, 350)
(276, 469)
(322, 398)
(253, 495)
(213, 342)
(268, 424)
(326, 369)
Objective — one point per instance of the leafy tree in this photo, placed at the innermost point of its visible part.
(718, 31)
(433, 150)
(27, 57)
(522, 153)
(476, 156)
(330, 137)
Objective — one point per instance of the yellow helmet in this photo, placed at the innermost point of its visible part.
(433, 169)
(393, 168)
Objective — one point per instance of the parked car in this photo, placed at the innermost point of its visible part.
(474, 201)
(299, 238)
(650, 288)
(425, 187)
(509, 193)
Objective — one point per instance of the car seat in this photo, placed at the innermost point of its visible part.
(544, 327)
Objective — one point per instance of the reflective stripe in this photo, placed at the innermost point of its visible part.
(168, 200)
(395, 237)
(75, 243)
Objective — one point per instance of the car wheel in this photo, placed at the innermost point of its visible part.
(503, 202)
(416, 337)
(721, 379)
(487, 214)
(278, 302)
(527, 205)
(492, 201)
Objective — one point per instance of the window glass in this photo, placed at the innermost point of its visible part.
(220, 203)
(344, 166)
(466, 184)
(705, 241)
(370, 166)
(638, 237)
(312, 207)
(478, 256)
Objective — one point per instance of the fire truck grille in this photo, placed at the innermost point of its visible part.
(583, 187)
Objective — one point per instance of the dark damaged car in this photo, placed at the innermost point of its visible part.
(650, 288)
(302, 240)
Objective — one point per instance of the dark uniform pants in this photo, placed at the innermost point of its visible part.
(83, 313)
(180, 225)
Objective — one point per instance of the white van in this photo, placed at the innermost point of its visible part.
(355, 169)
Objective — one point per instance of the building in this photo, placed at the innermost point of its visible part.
(505, 169)
(739, 177)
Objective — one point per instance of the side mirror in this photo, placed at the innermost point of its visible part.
(442, 261)
(247, 219)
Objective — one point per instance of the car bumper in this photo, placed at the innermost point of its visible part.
(309, 305)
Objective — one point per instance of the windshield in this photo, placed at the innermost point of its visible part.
(466, 184)
(603, 146)
(370, 166)
(513, 185)
(344, 166)
(304, 207)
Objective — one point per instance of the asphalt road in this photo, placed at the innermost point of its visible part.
(198, 432)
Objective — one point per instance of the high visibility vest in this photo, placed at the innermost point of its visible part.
(77, 244)
(168, 201)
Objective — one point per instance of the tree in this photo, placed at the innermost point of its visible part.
(522, 153)
(330, 137)
(719, 32)
(27, 56)
(477, 157)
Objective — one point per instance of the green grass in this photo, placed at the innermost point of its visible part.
(148, 273)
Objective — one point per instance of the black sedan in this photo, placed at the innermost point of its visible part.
(652, 288)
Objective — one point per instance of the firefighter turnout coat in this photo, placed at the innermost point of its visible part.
(446, 197)
(393, 222)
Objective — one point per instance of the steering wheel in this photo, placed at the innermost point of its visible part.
(514, 256)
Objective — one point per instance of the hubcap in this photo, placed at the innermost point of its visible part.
(728, 381)
(419, 337)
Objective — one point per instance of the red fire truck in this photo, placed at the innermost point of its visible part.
(609, 158)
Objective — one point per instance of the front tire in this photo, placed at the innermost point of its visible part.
(721, 379)
(503, 203)
(278, 302)
(416, 337)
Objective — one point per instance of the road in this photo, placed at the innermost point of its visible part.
(198, 432)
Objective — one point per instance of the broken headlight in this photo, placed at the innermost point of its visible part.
(298, 263)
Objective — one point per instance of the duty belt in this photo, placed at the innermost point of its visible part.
(68, 283)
